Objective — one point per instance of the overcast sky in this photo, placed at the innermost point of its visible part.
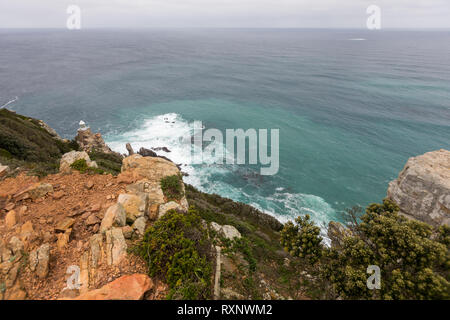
(225, 13)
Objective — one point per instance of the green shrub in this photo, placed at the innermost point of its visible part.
(176, 248)
(413, 258)
(303, 239)
(26, 144)
(108, 162)
(172, 187)
(81, 165)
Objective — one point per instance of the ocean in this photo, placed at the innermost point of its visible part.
(351, 105)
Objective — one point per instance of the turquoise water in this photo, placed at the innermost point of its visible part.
(350, 113)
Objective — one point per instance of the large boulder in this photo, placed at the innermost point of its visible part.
(72, 156)
(149, 168)
(151, 188)
(144, 174)
(130, 287)
(422, 189)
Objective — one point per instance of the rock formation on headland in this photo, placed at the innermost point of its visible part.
(422, 189)
(89, 141)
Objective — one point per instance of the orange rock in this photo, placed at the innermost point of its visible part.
(27, 228)
(126, 177)
(15, 293)
(58, 195)
(130, 287)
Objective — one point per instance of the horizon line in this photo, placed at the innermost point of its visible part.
(208, 27)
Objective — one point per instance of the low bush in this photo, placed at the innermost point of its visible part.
(24, 143)
(172, 187)
(108, 162)
(302, 239)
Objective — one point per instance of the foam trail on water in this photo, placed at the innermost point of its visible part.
(9, 102)
(170, 130)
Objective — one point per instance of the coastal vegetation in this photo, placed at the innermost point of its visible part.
(81, 166)
(27, 143)
(107, 162)
(254, 265)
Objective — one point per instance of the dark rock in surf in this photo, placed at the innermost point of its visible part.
(129, 149)
(165, 149)
(147, 153)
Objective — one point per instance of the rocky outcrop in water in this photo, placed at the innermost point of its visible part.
(422, 189)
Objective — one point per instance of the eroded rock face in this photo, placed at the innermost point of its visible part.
(135, 205)
(130, 287)
(150, 168)
(39, 259)
(116, 247)
(72, 156)
(89, 141)
(422, 189)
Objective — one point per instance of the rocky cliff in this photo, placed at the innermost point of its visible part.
(86, 219)
(83, 223)
(422, 189)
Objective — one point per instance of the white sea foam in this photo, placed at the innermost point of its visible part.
(170, 130)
